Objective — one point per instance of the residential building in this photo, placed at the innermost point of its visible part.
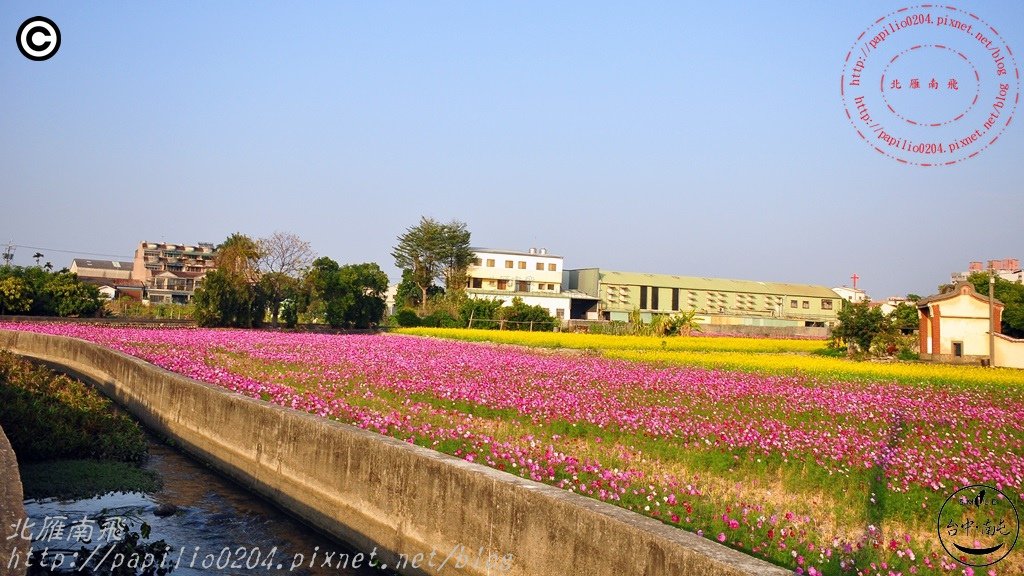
(716, 300)
(954, 327)
(86, 268)
(887, 306)
(534, 275)
(172, 272)
(1007, 269)
(112, 277)
(854, 295)
(113, 288)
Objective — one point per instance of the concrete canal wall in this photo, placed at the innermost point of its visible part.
(13, 550)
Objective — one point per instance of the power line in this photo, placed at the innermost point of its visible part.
(72, 251)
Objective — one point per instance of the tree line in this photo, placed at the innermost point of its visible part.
(281, 277)
(38, 291)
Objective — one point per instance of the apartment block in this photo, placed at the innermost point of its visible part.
(172, 272)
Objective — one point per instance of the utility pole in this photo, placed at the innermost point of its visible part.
(9, 254)
(991, 316)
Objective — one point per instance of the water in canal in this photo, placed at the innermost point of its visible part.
(218, 527)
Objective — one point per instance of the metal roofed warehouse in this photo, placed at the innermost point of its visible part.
(717, 300)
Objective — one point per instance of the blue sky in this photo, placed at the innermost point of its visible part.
(695, 139)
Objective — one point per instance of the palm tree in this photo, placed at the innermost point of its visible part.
(37, 256)
(48, 266)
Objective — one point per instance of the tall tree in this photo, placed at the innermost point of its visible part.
(276, 287)
(38, 256)
(285, 253)
(364, 286)
(283, 259)
(858, 324)
(431, 250)
(224, 301)
(408, 295)
(418, 251)
(455, 255)
(239, 255)
(230, 295)
(347, 296)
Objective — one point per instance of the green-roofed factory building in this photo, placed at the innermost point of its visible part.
(717, 301)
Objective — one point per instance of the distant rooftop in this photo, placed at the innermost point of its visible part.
(101, 264)
(535, 252)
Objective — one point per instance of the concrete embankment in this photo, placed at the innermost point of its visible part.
(12, 513)
(388, 496)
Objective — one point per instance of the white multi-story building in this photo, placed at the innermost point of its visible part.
(854, 295)
(535, 276)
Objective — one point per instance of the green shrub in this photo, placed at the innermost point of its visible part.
(908, 355)
(442, 319)
(48, 416)
(484, 312)
(407, 318)
(521, 316)
(831, 352)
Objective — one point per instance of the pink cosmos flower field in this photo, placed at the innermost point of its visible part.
(824, 477)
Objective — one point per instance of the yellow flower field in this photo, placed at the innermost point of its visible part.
(745, 354)
(831, 368)
(609, 342)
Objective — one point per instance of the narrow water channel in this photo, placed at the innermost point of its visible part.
(218, 528)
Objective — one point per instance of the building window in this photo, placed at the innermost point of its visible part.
(806, 305)
(477, 262)
(478, 282)
(522, 286)
(490, 262)
(502, 284)
(675, 299)
(643, 297)
(560, 313)
(540, 265)
(654, 297)
(508, 264)
(958, 349)
(522, 264)
(552, 267)
(826, 304)
(792, 303)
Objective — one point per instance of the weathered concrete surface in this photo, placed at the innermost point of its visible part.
(375, 491)
(13, 552)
